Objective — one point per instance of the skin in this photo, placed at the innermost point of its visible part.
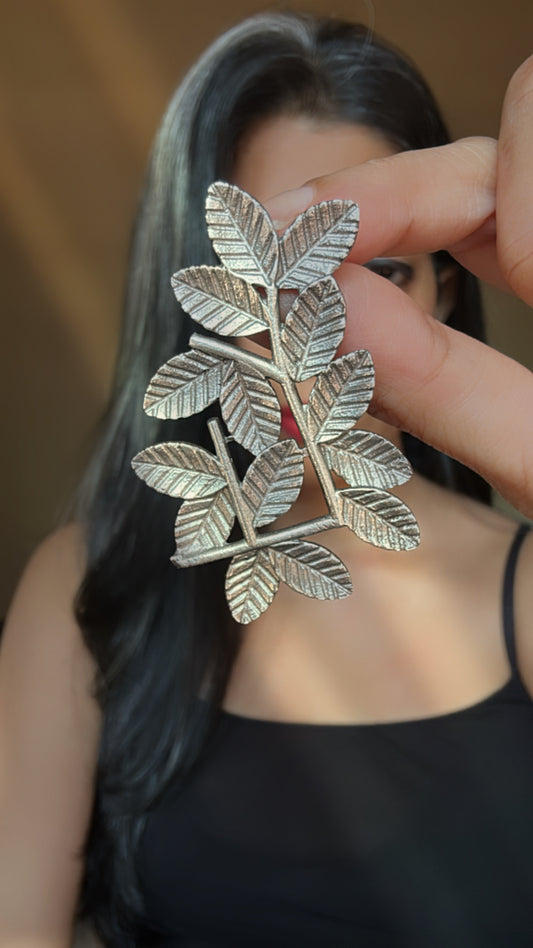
(421, 634)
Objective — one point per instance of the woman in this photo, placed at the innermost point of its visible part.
(367, 780)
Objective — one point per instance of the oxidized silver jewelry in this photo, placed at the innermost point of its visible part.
(225, 300)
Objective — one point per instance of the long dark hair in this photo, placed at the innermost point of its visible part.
(157, 639)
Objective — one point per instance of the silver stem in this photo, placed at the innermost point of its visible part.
(244, 514)
(227, 351)
(296, 532)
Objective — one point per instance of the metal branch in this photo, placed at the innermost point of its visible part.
(224, 349)
(306, 529)
(242, 510)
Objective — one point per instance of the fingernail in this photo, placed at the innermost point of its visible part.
(285, 207)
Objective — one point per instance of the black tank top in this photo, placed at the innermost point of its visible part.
(416, 834)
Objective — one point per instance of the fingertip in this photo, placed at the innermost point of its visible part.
(521, 81)
(283, 208)
(514, 197)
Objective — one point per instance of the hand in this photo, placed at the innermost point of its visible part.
(442, 386)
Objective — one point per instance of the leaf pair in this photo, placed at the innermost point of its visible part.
(223, 299)
(244, 238)
(190, 382)
(226, 304)
(270, 487)
(253, 578)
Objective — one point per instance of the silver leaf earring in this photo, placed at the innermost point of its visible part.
(226, 300)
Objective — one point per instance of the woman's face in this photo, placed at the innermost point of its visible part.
(285, 151)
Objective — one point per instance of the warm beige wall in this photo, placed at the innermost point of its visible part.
(83, 86)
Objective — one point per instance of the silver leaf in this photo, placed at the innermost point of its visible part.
(179, 469)
(340, 395)
(310, 569)
(204, 523)
(273, 481)
(220, 301)
(379, 518)
(184, 385)
(313, 329)
(317, 242)
(365, 459)
(250, 407)
(251, 585)
(242, 233)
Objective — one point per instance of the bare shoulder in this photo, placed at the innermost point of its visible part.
(53, 571)
(60, 557)
(468, 534)
(49, 736)
(41, 618)
(488, 520)
(495, 533)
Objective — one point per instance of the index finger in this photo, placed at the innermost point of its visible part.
(514, 192)
(415, 202)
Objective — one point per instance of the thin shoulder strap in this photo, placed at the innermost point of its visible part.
(508, 594)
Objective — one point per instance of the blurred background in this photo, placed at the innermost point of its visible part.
(83, 86)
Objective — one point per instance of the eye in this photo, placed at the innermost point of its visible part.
(396, 271)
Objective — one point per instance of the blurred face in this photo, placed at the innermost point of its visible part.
(285, 151)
